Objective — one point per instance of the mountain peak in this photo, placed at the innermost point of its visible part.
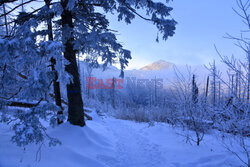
(158, 65)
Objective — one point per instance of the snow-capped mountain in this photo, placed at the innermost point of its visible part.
(159, 69)
(158, 65)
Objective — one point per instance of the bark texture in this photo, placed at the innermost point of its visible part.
(75, 104)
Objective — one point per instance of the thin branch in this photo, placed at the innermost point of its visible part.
(134, 11)
(13, 21)
(6, 1)
(6, 13)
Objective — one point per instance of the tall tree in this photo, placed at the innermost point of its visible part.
(83, 29)
(75, 104)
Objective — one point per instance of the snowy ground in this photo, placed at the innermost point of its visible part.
(108, 142)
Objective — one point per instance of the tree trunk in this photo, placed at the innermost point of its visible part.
(57, 92)
(207, 86)
(248, 76)
(56, 84)
(75, 104)
(198, 140)
(5, 21)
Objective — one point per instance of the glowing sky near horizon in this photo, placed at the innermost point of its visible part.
(201, 25)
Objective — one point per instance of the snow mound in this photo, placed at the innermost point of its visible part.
(81, 147)
(109, 142)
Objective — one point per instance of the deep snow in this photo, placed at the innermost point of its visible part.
(109, 142)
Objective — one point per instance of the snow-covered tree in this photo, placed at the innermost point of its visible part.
(26, 78)
(234, 115)
(32, 61)
(190, 107)
(85, 31)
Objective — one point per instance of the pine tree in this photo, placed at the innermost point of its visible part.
(26, 76)
(90, 35)
(29, 67)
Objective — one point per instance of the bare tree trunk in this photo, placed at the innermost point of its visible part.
(89, 71)
(5, 21)
(214, 84)
(239, 85)
(197, 139)
(248, 82)
(219, 93)
(155, 92)
(83, 81)
(207, 86)
(236, 84)
(232, 85)
(113, 93)
(22, 7)
(75, 103)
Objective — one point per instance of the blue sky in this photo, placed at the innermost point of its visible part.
(201, 25)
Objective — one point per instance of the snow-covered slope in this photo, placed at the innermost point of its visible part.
(109, 142)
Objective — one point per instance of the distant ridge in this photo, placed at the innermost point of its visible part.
(158, 65)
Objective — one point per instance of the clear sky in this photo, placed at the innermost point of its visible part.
(201, 25)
